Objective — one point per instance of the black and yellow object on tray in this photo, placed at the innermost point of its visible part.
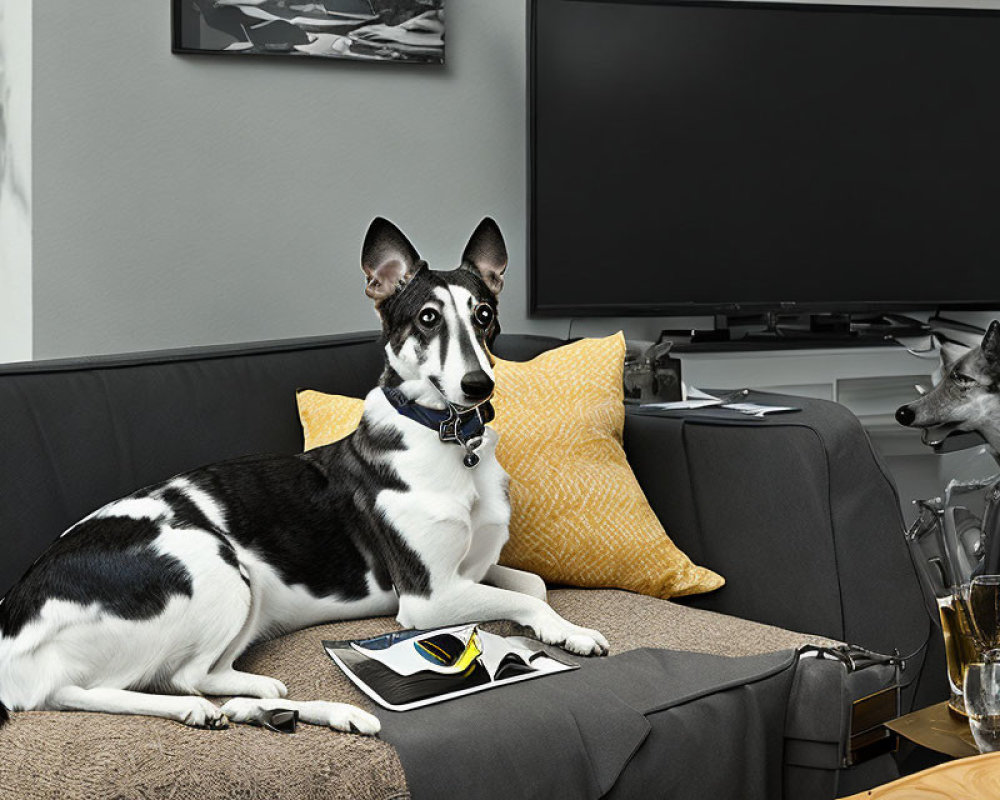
(449, 650)
(409, 669)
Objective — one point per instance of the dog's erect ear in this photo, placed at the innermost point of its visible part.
(387, 259)
(991, 343)
(951, 352)
(486, 254)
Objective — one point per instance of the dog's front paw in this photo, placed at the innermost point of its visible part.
(587, 643)
(351, 719)
(573, 638)
(266, 687)
(243, 709)
(200, 713)
(338, 716)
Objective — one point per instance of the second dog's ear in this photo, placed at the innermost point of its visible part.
(486, 254)
(387, 259)
(991, 343)
(951, 352)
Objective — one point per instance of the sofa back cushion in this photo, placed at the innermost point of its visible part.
(77, 434)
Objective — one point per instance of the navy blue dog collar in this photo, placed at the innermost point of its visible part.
(464, 428)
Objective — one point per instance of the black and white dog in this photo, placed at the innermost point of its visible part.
(142, 607)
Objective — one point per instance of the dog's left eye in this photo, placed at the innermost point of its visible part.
(483, 315)
(428, 317)
(964, 381)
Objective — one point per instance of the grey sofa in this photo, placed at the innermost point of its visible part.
(708, 696)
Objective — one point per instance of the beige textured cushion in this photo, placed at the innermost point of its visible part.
(631, 621)
(76, 756)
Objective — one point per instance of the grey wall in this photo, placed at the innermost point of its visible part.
(197, 199)
(15, 180)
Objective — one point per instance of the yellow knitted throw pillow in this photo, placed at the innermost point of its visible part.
(327, 417)
(578, 515)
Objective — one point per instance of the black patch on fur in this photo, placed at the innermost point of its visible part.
(362, 472)
(399, 312)
(4, 716)
(282, 509)
(228, 554)
(390, 378)
(311, 517)
(108, 560)
(467, 348)
(184, 511)
(445, 347)
(481, 292)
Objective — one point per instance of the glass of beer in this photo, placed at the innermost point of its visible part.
(959, 646)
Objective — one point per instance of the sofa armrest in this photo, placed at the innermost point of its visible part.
(796, 511)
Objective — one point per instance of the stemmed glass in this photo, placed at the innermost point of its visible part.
(981, 688)
(984, 614)
(981, 693)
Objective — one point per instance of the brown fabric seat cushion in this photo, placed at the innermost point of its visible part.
(83, 756)
(631, 621)
(100, 756)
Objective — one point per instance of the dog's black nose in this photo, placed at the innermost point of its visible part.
(477, 385)
(905, 415)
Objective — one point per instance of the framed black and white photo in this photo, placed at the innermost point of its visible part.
(409, 31)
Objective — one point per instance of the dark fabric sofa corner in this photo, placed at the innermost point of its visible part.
(797, 513)
(801, 516)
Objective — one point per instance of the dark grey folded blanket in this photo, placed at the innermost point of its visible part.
(573, 735)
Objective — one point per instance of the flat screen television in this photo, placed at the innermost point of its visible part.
(743, 157)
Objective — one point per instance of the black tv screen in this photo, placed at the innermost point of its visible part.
(728, 157)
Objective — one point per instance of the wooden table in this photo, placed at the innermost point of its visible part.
(976, 778)
(937, 728)
(970, 777)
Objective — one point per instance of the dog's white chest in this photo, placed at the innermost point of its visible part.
(438, 480)
(452, 516)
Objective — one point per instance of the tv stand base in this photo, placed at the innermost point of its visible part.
(776, 332)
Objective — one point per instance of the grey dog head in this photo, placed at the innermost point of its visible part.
(967, 398)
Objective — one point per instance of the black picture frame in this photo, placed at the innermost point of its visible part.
(381, 31)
